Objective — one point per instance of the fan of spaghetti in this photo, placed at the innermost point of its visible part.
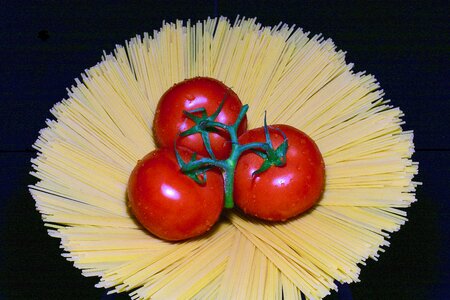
(86, 154)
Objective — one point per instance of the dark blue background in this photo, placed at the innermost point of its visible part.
(44, 45)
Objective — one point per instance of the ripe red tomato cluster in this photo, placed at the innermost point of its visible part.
(172, 206)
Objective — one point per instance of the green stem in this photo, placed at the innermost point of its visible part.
(272, 157)
(201, 163)
(228, 180)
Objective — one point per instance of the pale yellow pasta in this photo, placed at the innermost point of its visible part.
(104, 126)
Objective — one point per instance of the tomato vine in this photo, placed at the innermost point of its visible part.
(204, 124)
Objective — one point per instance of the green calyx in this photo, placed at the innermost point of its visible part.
(204, 125)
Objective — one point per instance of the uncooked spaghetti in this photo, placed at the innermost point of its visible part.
(103, 127)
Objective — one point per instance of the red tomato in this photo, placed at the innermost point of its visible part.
(192, 94)
(170, 204)
(279, 193)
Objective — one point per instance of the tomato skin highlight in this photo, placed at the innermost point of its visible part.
(279, 193)
(190, 94)
(168, 203)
